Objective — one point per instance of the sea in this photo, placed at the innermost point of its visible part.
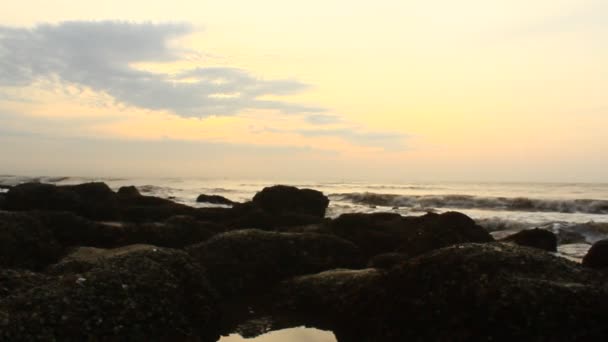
(578, 212)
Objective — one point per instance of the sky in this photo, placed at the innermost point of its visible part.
(399, 91)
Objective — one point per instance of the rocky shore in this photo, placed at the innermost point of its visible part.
(83, 262)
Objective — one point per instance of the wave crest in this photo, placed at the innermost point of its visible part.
(589, 206)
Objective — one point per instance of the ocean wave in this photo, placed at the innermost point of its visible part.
(53, 179)
(589, 206)
(567, 232)
(155, 189)
(217, 190)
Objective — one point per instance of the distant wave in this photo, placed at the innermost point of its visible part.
(155, 189)
(589, 206)
(217, 190)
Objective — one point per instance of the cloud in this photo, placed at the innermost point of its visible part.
(389, 141)
(323, 119)
(100, 55)
(385, 140)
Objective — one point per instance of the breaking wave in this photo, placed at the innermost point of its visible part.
(589, 206)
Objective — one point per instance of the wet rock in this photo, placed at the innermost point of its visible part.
(597, 257)
(570, 237)
(2, 201)
(72, 230)
(13, 281)
(340, 291)
(243, 261)
(214, 199)
(150, 209)
(82, 259)
(387, 260)
(36, 239)
(175, 232)
(387, 232)
(458, 293)
(29, 196)
(94, 201)
(536, 238)
(128, 191)
(287, 199)
(26, 243)
(248, 215)
(142, 295)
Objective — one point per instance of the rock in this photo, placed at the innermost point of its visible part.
(241, 262)
(341, 291)
(597, 257)
(536, 238)
(387, 260)
(2, 201)
(13, 281)
(29, 196)
(565, 237)
(94, 201)
(82, 259)
(36, 239)
(214, 199)
(150, 209)
(26, 243)
(387, 232)
(72, 230)
(175, 232)
(142, 295)
(248, 215)
(467, 292)
(287, 199)
(128, 191)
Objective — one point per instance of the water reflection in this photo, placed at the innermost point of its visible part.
(286, 335)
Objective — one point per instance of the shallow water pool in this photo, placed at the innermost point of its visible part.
(300, 334)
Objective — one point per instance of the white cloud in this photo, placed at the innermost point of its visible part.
(100, 56)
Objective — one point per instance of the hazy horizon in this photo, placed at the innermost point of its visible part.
(389, 91)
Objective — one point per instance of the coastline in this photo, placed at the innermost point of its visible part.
(201, 272)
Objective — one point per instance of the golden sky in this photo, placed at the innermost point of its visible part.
(392, 90)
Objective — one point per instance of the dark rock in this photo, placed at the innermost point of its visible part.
(83, 259)
(150, 209)
(387, 260)
(13, 281)
(94, 201)
(248, 215)
(142, 295)
(72, 230)
(36, 239)
(175, 232)
(29, 196)
(536, 238)
(597, 257)
(340, 290)
(565, 237)
(214, 199)
(241, 262)
(2, 201)
(128, 191)
(287, 199)
(26, 243)
(459, 293)
(387, 232)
